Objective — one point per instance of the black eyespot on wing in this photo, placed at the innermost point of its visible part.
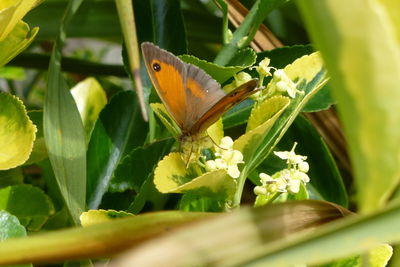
(156, 67)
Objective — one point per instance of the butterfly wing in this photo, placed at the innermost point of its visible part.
(167, 73)
(186, 91)
(225, 103)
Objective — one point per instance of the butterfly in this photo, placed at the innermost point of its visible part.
(193, 98)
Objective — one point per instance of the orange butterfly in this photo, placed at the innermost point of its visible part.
(193, 99)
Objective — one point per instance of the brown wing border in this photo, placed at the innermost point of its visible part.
(236, 96)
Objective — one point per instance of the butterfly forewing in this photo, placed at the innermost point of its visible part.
(165, 71)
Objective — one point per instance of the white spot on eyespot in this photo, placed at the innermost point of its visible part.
(207, 91)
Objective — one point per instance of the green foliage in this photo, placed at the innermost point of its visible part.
(75, 150)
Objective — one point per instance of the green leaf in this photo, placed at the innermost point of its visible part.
(118, 130)
(261, 120)
(244, 59)
(248, 29)
(90, 99)
(10, 226)
(11, 177)
(17, 132)
(171, 176)
(39, 151)
(320, 101)
(93, 19)
(377, 257)
(19, 39)
(99, 216)
(365, 82)
(168, 28)
(63, 129)
(28, 203)
(169, 123)
(12, 73)
(136, 166)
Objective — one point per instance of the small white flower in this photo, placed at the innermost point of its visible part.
(265, 178)
(263, 69)
(303, 166)
(281, 185)
(260, 190)
(226, 142)
(301, 176)
(211, 165)
(294, 186)
(220, 164)
(233, 171)
(290, 156)
(279, 74)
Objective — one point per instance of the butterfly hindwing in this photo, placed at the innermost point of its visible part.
(236, 96)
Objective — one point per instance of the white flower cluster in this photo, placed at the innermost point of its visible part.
(287, 180)
(283, 84)
(226, 158)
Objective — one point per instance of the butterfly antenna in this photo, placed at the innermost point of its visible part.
(212, 140)
(190, 155)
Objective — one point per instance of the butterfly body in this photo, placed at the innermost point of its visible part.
(193, 99)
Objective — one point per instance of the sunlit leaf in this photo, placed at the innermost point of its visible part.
(90, 99)
(99, 216)
(12, 12)
(19, 39)
(365, 82)
(17, 132)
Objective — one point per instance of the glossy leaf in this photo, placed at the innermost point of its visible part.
(169, 123)
(28, 203)
(63, 129)
(261, 120)
(113, 137)
(19, 39)
(10, 226)
(90, 99)
(244, 59)
(136, 166)
(365, 82)
(17, 132)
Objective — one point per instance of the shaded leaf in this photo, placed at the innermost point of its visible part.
(118, 130)
(28, 203)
